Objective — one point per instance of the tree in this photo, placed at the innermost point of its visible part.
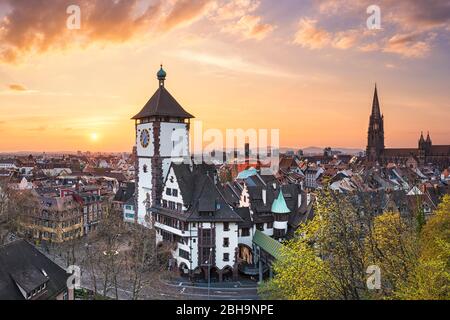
(326, 258)
(392, 246)
(340, 241)
(140, 259)
(300, 274)
(430, 279)
(4, 216)
(110, 230)
(329, 255)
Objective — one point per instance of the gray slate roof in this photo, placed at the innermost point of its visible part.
(21, 262)
(200, 195)
(162, 104)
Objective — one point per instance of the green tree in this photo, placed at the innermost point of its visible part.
(326, 258)
(300, 274)
(392, 246)
(430, 279)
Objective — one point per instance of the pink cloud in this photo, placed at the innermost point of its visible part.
(308, 35)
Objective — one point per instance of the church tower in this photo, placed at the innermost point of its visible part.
(375, 139)
(162, 137)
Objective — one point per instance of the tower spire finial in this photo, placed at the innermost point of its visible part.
(375, 104)
(161, 75)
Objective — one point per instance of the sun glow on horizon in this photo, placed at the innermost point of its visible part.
(94, 136)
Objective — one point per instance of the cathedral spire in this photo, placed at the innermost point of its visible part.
(375, 104)
(428, 137)
(375, 139)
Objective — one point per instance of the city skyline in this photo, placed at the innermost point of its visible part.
(302, 68)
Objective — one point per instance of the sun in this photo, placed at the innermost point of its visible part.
(94, 136)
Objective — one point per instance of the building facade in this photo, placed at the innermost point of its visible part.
(162, 137)
(425, 153)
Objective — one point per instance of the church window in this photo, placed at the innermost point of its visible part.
(144, 168)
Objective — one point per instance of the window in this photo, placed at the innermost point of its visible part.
(171, 205)
(206, 237)
(260, 226)
(226, 242)
(179, 207)
(164, 203)
(144, 168)
(226, 226)
(169, 191)
(269, 225)
(278, 233)
(183, 254)
(175, 192)
(245, 232)
(226, 257)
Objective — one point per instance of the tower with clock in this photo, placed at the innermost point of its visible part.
(375, 139)
(162, 137)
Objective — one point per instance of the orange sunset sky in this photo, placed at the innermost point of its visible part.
(307, 68)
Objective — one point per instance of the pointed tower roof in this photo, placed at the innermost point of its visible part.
(376, 104)
(428, 137)
(279, 205)
(162, 103)
(421, 137)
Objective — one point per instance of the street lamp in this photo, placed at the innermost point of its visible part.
(209, 270)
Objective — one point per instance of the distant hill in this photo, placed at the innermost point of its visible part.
(319, 150)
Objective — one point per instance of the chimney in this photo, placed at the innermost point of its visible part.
(247, 153)
(264, 196)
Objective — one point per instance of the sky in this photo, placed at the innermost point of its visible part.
(307, 68)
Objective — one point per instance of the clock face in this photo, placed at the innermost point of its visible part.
(145, 138)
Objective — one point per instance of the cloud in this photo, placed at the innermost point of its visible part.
(239, 19)
(346, 39)
(231, 63)
(250, 27)
(16, 87)
(409, 27)
(235, 9)
(369, 47)
(409, 45)
(38, 129)
(37, 27)
(310, 36)
(408, 14)
(185, 12)
(390, 66)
